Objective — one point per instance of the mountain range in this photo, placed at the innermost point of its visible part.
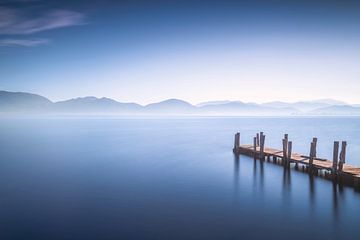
(23, 103)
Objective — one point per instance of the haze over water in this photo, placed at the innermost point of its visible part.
(173, 178)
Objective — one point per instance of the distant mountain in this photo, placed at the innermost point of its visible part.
(337, 110)
(23, 102)
(240, 108)
(305, 106)
(170, 106)
(20, 102)
(212, 103)
(97, 105)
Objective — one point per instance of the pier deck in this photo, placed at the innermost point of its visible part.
(336, 170)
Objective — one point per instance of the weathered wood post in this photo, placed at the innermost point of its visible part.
(254, 147)
(315, 144)
(335, 158)
(257, 139)
(289, 153)
(311, 159)
(236, 142)
(342, 155)
(285, 145)
(262, 145)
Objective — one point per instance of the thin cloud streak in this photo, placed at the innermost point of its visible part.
(14, 22)
(23, 42)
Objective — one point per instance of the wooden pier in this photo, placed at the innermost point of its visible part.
(336, 169)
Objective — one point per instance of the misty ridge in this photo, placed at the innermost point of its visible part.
(28, 103)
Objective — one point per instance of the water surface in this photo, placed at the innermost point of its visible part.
(169, 179)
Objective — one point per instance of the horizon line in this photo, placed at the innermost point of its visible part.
(190, 102)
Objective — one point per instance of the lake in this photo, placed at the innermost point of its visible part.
(173, 178)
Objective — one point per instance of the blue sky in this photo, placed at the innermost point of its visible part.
(147, 51)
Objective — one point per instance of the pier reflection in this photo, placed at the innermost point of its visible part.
(236, 176)
(315, 202)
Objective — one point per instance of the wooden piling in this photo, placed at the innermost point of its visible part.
(312, 164)
(262, 145)
(342, 155)
(335, 157)
(236, 142)
(257, 139)
(285, 145)
(289, 153)
(311, 160)
(254, 146)
(315, 144)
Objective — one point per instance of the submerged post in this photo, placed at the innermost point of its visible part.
(335, 157)
(342, 155)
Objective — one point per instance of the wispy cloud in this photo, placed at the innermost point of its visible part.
(22, 42)
(13, 22)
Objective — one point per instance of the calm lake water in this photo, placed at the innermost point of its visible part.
(169, 179)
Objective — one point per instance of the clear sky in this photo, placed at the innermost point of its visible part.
(147, 51)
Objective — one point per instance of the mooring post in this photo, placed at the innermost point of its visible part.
(236, 142)
(335, 157)
(342, 155)
(262, 144)
(254, 147)
(315, 144)
(257, 139)
(289, 153)
(311, 160)
(285, 145)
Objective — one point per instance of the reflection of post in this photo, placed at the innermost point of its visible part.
(261, 174)
(236, 169)
(287, 178)
(286, 183)
(335, 202)
(312, 192)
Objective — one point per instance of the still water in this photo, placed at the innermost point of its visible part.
(169, 179)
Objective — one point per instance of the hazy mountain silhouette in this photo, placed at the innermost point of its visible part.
(337, 110)
(20, 102)
(305, 106)
(241, 108)
(172, 106)
(23, 102)
(93, 104)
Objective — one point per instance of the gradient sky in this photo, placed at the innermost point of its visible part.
(147, 51)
